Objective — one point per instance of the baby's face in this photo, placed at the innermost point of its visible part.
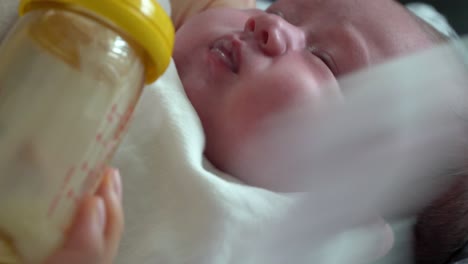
(241, 67)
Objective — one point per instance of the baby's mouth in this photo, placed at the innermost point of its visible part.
(227, 52)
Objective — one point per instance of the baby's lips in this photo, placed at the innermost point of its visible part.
(230, 46)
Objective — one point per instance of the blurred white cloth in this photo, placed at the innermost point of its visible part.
(7, 15)
(431, 16)
(178, 208)
(263, 4)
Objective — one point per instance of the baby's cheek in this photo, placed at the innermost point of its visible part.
(301, 87)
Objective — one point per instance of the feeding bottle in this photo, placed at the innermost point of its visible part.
(71, 73)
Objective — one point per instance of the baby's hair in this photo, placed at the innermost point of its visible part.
(441, 229)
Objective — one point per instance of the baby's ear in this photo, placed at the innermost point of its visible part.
(183, 9)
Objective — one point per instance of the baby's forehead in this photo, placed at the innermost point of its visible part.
(312, 10)
(424, 11)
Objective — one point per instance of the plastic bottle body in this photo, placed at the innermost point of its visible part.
(68, 86)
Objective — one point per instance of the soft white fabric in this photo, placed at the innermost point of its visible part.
(7, 15)
(166, 4)
(263, 4)
(178, 208)
(433, 18)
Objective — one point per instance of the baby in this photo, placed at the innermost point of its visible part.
(237, 65)
(241, 67)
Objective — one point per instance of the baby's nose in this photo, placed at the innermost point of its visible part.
(272, 34)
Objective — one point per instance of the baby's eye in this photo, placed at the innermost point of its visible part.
(276, 12)
(326, 58)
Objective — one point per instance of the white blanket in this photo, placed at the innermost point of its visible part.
(178, 208)
(7, 15)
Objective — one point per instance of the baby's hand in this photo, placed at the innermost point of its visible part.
(95, 234)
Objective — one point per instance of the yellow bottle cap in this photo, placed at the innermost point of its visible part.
(145, 21)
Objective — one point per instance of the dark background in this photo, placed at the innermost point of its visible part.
(456, 12)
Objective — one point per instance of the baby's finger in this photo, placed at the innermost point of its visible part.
(89, 224)
(110, 191)
(85, 240)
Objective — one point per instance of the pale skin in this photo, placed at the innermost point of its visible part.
(237, 71)
(89, 242)
(94, 236)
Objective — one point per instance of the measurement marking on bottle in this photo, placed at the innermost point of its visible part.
(53, 205)
(115, 113)
(2, 130)
(69, 176)
(84, 166)
(123, 124)
(109, 144)
(70, 194)
(93, 174)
